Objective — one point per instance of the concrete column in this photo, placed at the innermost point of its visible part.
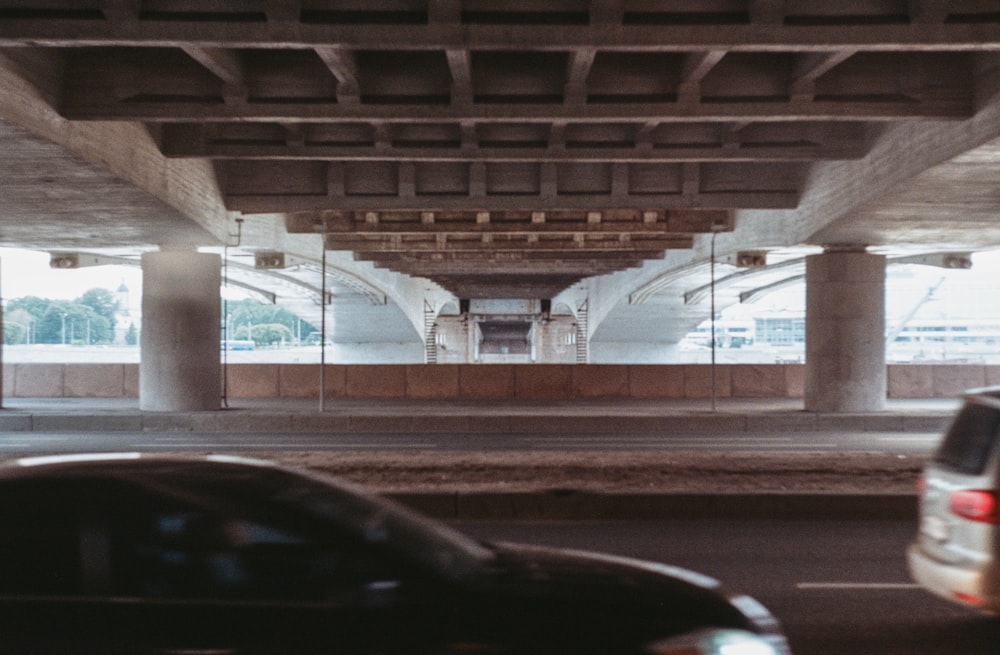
(179, 366)
(1, 350)
(845, 332)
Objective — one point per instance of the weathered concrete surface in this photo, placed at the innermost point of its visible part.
(508, 416)
(495, 382)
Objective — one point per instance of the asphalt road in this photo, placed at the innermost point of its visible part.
(838, 587)
(899, 443)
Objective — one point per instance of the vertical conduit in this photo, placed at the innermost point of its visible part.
(712, 283)
(1, 347)
(322, 329)
(225, 310)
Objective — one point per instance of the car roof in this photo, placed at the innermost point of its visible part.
(145, 466)
(96, 462)
(984, 395)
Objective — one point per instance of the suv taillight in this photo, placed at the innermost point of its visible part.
(976, 505)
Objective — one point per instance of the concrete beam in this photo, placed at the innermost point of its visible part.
(188, 141)
(528, 243)
(966, 24)
(269, 204)
(84, 107)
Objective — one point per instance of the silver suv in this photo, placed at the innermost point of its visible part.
(956, 554)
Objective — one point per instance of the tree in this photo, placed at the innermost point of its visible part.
(69, 322)
(102, 301)
(88, 320)
(14, 333)
(271, 334)
(240, 315)
(34, 305)
(132, 335)
(17, 326)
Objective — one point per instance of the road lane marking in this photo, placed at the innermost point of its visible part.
(659, 441)
(849, 586)
(40, 437)
(915, 438)
(666, 439)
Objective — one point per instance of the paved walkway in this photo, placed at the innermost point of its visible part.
(493, 416)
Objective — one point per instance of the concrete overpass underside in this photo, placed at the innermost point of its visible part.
(580, 157)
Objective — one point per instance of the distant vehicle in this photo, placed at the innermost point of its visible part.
(124, 553)
(956, 554)
(238, 344)
(315, 339)
(729, 333)
(920, 340)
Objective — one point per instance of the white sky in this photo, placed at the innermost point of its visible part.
(27, 273)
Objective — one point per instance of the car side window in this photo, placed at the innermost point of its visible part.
(970, 439)
(167, 549)
(100, 538)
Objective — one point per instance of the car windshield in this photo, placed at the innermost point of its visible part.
(969, 441)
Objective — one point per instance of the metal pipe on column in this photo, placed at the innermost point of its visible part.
(322, 328)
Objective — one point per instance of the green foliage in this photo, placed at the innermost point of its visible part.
(265, 324)
(17, 326)
(87, 320)
(33, 305)
(132, 335)
(268, 334)
(14, 333)
(73, 323)
(90, 320)
(103, 302)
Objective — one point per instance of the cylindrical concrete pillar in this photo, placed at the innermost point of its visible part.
(845, 332)
(179, 367)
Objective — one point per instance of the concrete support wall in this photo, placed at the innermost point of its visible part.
(445, 381)
(845, 332)
(181, 308)
(554, 342)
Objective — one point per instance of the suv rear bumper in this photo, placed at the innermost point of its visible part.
(954, 582)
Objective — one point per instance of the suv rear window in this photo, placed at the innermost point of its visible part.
(969, 441)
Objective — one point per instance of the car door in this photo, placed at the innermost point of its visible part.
(101, 566)
(214, 576)
(51, 566)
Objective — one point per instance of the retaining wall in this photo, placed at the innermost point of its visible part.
(493, 381)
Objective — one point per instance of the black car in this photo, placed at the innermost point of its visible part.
(126, 553)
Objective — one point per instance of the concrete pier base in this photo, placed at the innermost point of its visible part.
(845, 332)
(179, 368)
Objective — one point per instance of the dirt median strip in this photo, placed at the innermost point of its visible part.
(615, 472)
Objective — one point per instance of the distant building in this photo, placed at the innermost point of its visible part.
(122, 294)
(126, 315)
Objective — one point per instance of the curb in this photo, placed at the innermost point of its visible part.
(281, 422)
(569, 505)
